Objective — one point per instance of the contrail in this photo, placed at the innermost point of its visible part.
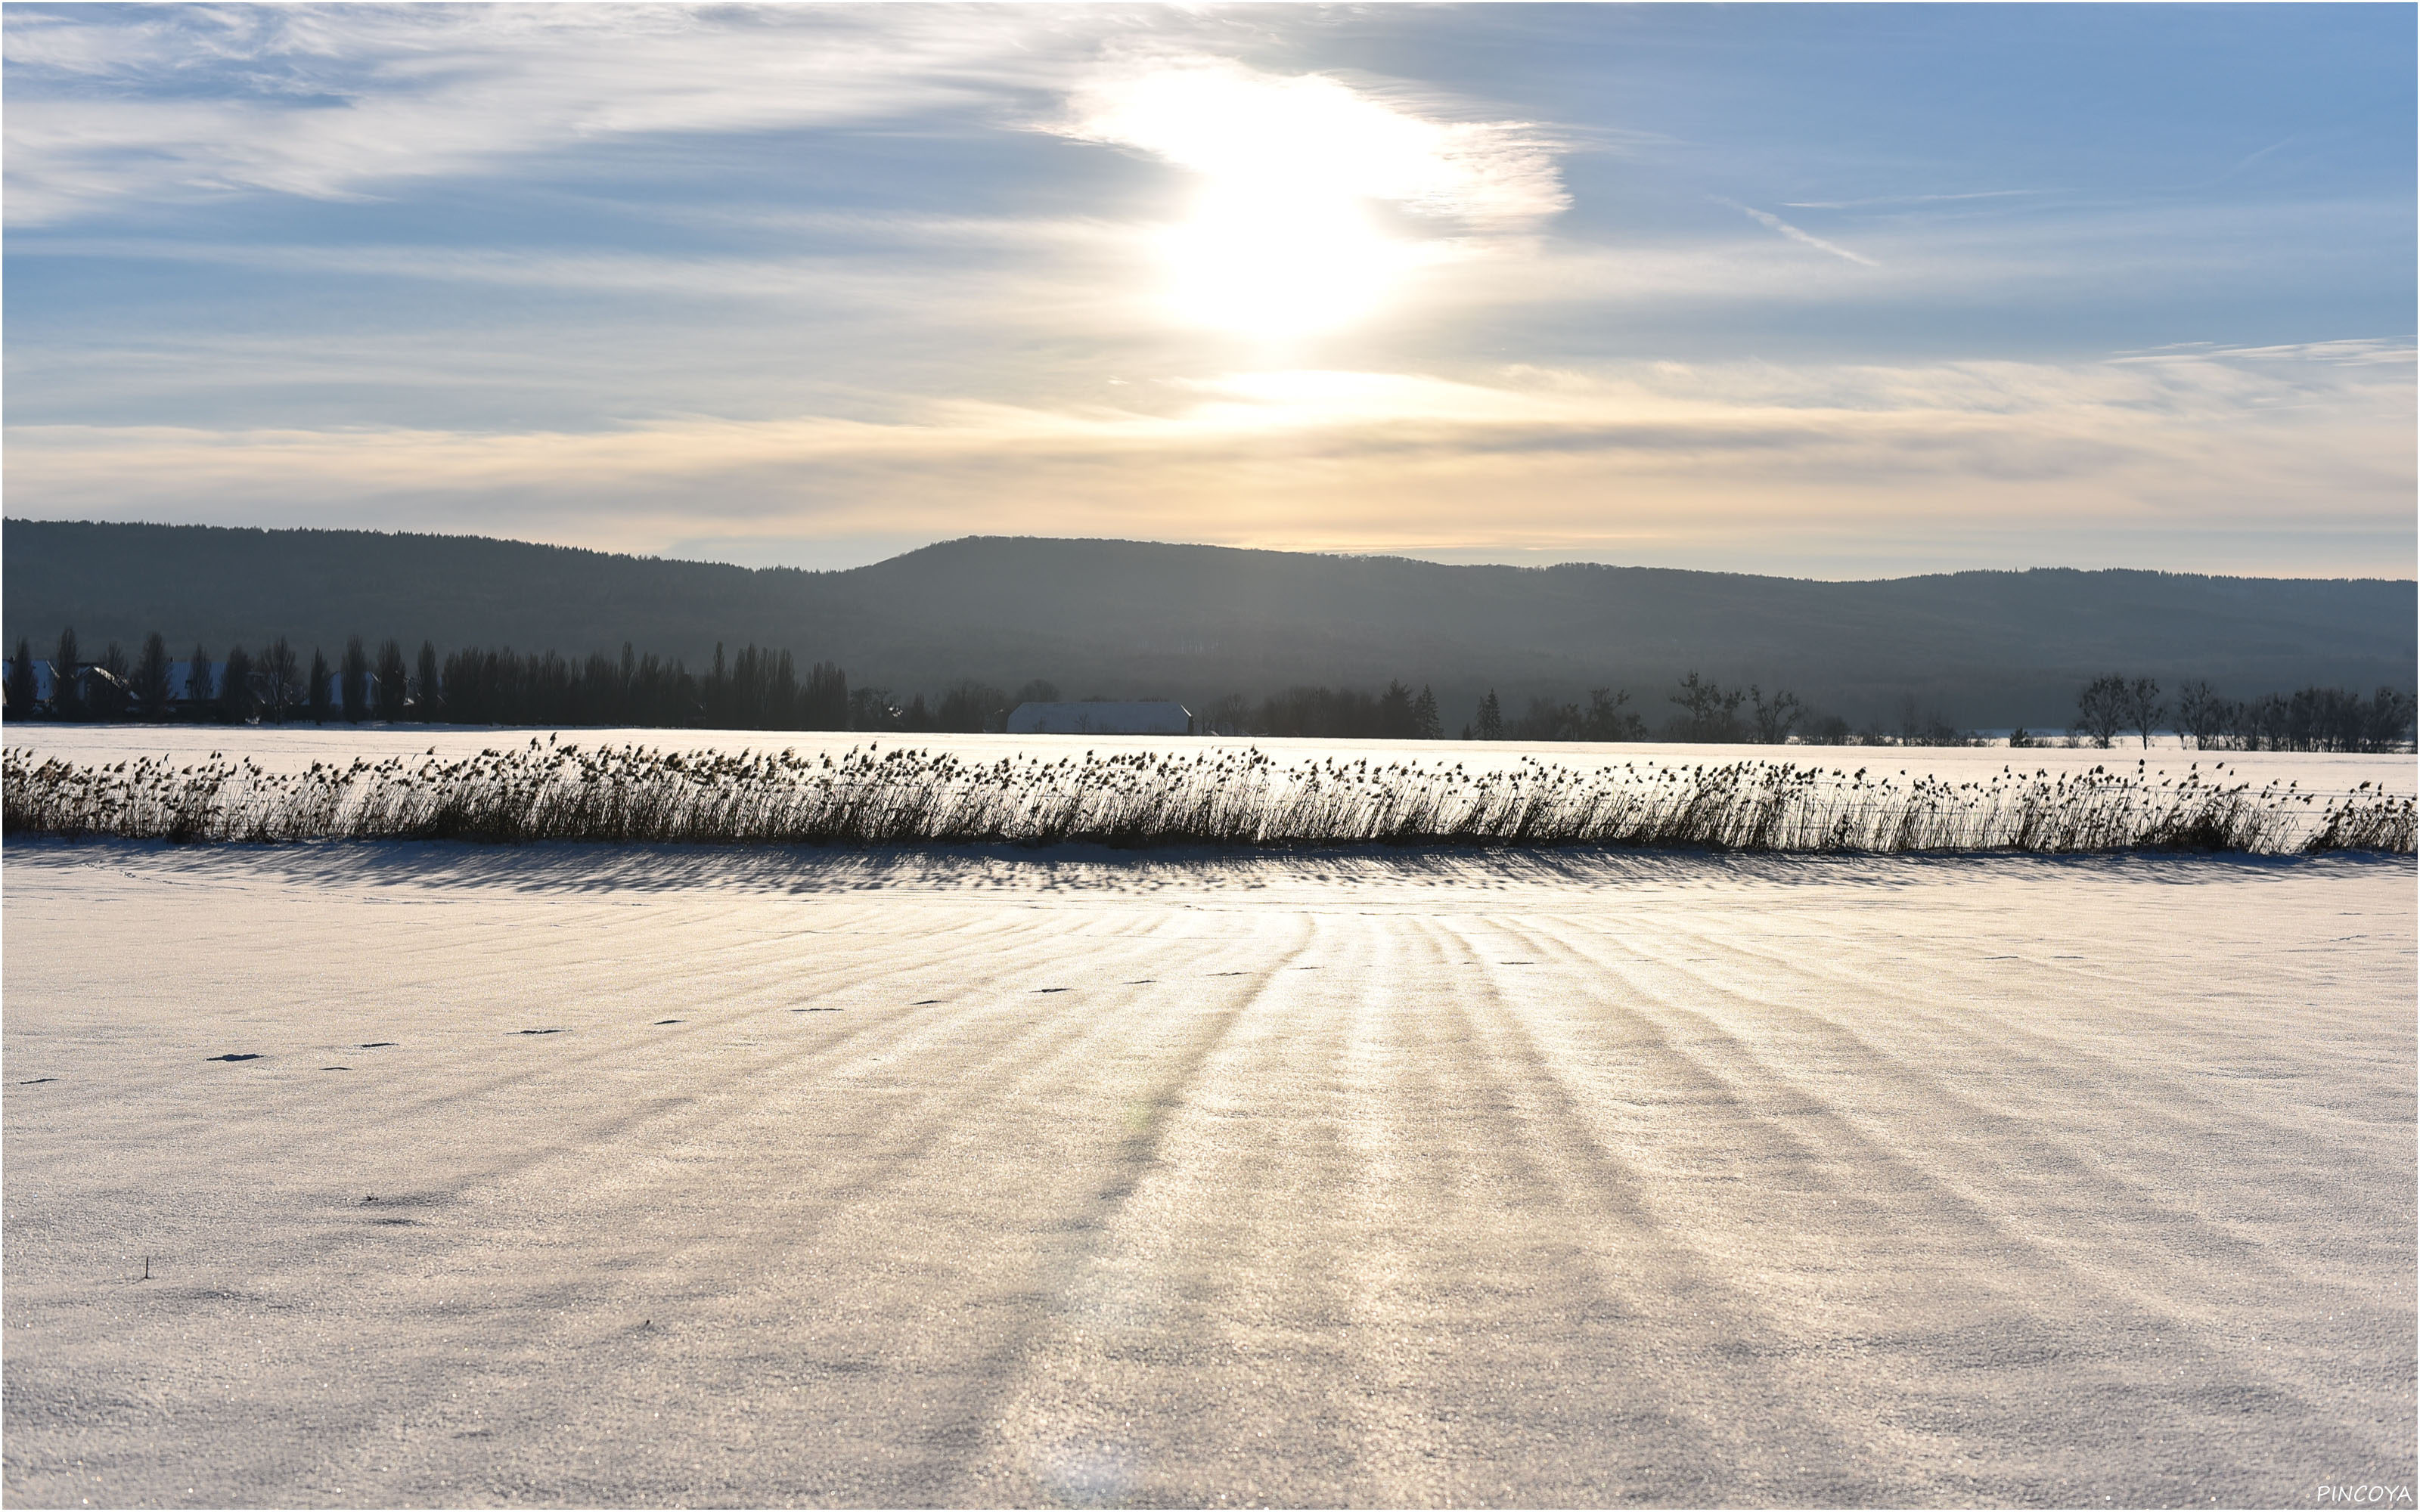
(1777, 224)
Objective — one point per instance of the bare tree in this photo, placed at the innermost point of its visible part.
(2101, 709)
(2201, 713)
(1774, 720)
(1708, 712)
(2143, 707)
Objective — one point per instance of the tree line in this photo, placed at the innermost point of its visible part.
(758, 689)
(761, 688)
(2312, 718)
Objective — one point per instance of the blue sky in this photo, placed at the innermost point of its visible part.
(1832, 291)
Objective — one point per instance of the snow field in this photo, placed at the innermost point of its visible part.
(659, 1174)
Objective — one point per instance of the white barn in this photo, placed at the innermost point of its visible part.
(1150, 719)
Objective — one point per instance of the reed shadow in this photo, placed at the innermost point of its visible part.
(561, 867)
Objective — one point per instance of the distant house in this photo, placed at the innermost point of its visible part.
(1150, 719)
(46, 683)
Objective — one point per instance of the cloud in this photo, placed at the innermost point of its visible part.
(181, 102)
(1314, 133)
(1776, 222)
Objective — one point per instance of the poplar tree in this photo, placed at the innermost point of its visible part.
(354, 681)
(198, 689)
(314, 691)
(281, 679)
(23, 688)
(152, 678)
(236, 693)
(391, 680)
(66, 696)
(425, 689)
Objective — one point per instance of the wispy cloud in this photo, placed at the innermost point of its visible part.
(180, 103)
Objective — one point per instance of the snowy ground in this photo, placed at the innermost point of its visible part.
(641, 1176)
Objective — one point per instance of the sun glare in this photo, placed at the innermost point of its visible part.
(1270, 262)
(1283, 239)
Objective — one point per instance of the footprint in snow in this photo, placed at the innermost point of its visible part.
(820, 1009)
(921, 1002)
(1050, 989)
(230, 1058)
(38, 1081)
(661, 1022)
(375, 1044)
(540, 1031)
(335, 1068)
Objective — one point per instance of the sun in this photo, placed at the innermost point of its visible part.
(1275, 260)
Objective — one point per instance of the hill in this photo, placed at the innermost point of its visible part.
(1139, 619)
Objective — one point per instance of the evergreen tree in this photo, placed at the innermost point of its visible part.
(426, 697)
(67, 691)
(1425, 725)
(199, 690)
(23, 688)
(354, 681)
(152, 678)
(1491, 718)
(315, 695)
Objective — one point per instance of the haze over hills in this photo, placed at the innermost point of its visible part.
(1126, 618)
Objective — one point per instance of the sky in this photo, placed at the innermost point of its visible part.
(1823, 291)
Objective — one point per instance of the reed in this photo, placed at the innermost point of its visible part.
(546, 791)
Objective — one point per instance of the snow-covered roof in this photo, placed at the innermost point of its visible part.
(1141, 719)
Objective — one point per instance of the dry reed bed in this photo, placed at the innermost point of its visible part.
(869, 796)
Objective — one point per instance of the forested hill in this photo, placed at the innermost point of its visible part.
(1125, 618)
